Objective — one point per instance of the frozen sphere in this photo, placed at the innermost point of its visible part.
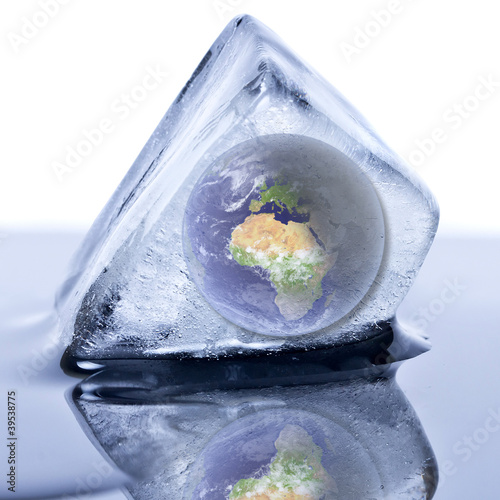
(278, 454)
(283, 235)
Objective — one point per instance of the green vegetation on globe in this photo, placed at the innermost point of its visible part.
(296, 472)
(291, 251)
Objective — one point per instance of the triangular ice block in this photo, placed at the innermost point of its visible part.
(262, 214)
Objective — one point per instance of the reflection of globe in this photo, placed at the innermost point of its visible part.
(283, 454)
(283, 235)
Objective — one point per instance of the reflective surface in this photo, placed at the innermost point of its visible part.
(295, 427)
(453, 387)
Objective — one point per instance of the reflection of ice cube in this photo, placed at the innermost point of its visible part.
(132, 294)
(365, 441)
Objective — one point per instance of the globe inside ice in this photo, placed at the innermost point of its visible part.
(283, 454)
(283, 235)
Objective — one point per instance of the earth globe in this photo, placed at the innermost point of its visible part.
(283, 235)
(283, 454)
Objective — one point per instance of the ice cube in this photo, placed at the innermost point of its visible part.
(263, 214)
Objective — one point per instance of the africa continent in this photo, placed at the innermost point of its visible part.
(290, 251)
(296, 472)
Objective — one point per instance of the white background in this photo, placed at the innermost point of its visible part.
(69, 73)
